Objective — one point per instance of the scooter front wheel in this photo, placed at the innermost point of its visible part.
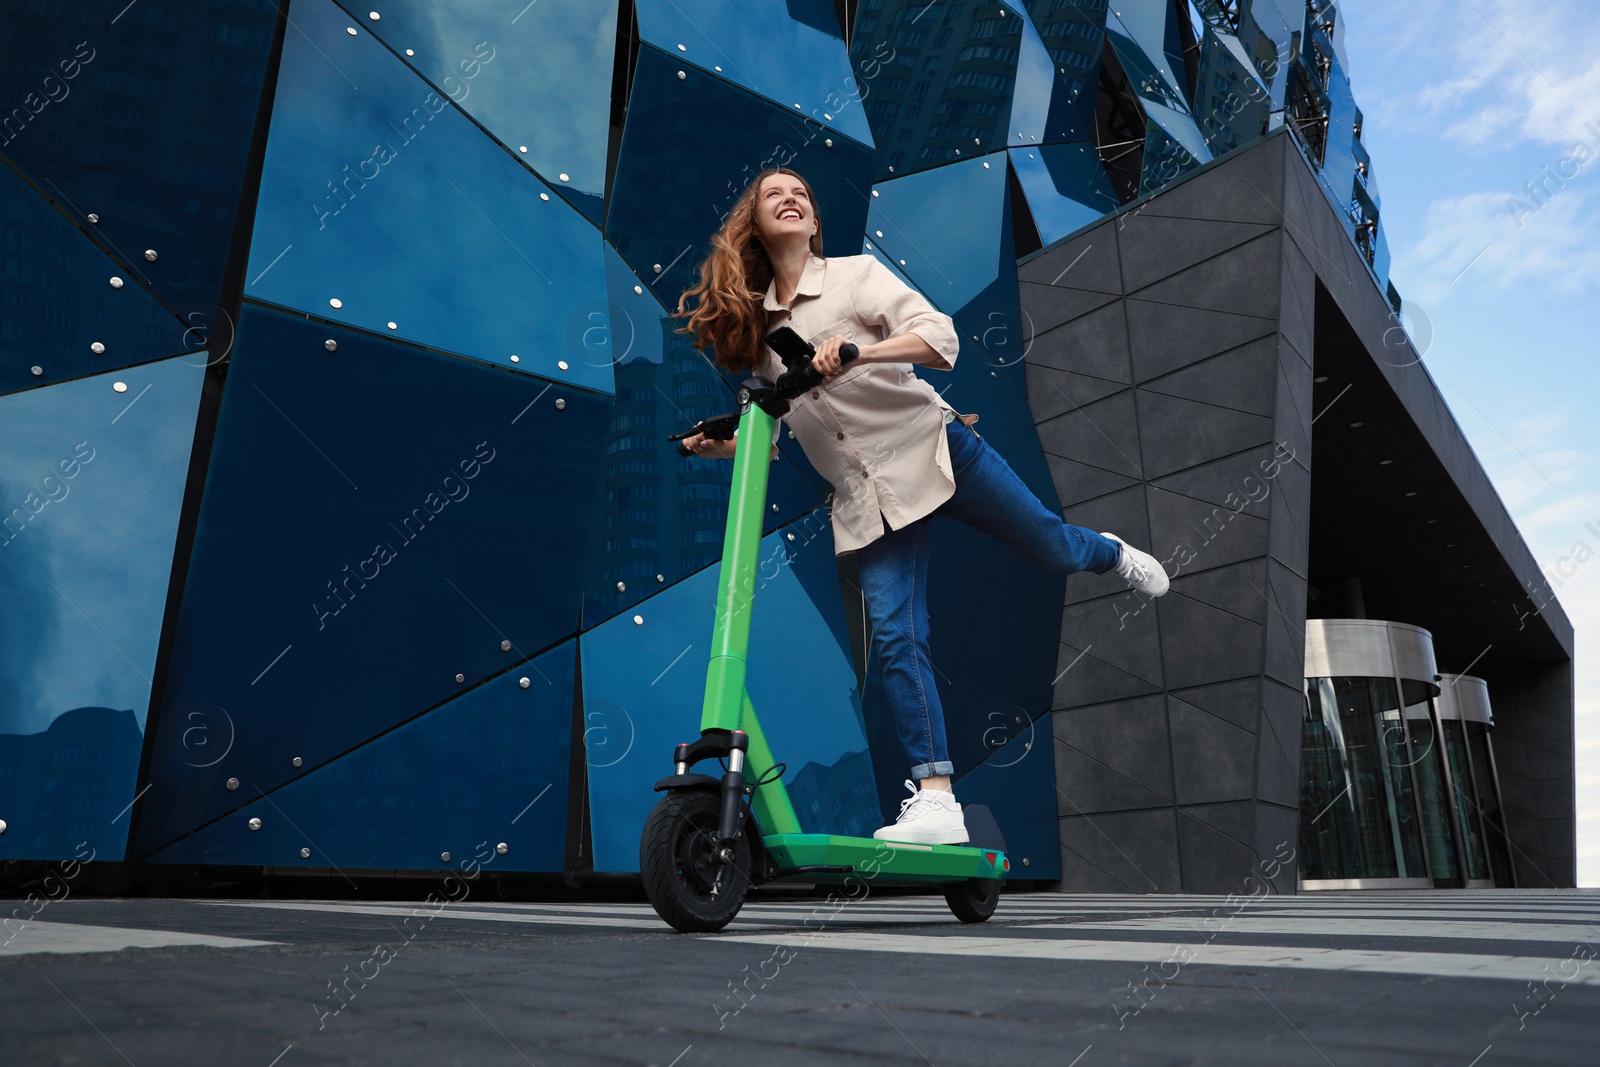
(693, 888)
(974, 900)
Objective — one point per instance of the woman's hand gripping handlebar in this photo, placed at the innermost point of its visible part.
(714, 436)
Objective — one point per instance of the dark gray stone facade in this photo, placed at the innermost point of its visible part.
(1172, 373)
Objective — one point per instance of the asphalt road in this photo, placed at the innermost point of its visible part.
(1467, 979)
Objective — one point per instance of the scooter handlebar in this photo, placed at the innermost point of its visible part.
(789, 385)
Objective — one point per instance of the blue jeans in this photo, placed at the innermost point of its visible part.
(990, 498)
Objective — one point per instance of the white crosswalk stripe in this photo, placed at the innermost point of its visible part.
(1558, 933)
(1206, 926)
(1447, 964)
(47, 936)
(1519, 936)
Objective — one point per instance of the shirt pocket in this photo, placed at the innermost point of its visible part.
(842, 328)
(847, 328)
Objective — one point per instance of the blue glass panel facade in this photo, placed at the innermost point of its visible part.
(1073, 36)
(141, 118)
(538, 81)
(91, 479)
(938, 81)
(1018, 784)
(510, 273)
(69, 310)
(918, 221)
(643, 684)
(1065, 185)
(662, 216)
(378, 521)
(1231, 101)
(491, 184)
(1268, 30)
(484, 769)
(1145, 38)
(741, 40)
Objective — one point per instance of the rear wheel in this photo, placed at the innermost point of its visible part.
(690, 886)
(974, 900)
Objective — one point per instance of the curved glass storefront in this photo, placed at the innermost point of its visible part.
(1466, 719)
(1397, 785)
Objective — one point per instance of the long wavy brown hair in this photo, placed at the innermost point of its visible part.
(727, 311)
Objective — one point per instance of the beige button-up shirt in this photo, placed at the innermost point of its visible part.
(876, 432)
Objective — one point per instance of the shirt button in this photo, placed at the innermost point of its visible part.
(841, 437)
(815, 394)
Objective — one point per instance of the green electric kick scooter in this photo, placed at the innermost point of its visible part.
(710, 839)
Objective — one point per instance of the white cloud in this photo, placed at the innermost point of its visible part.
(1504, 237)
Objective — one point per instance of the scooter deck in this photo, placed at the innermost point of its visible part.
(885, 861)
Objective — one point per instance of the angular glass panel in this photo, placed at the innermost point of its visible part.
(1066, 187)
(1032, 103)
(1018, 785)
(1231, 103)
(384, 204)
(539, 81)
(1173, 143)
(1169, 155)
(690, 147)
(91, 480)
(143, 120)
(1268, 30)
(487, 768)
(663, 515)
(644, 685)
(59, 301)
(1145, 36)
(1073, 36)
(378, 522)
(1339, 161)
(762, 48)
(937, 81)
(820, 16)
(946, 229)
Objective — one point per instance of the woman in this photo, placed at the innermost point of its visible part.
(894, 451)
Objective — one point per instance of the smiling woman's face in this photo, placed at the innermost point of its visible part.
(783, 209)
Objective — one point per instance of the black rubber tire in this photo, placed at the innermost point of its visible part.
(694, 891)
(974, 900)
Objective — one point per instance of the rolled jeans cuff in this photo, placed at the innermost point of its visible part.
(928, 770)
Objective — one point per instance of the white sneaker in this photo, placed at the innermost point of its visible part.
(1142, 570)
(927, 817)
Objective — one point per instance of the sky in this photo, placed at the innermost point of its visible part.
(1467, 102)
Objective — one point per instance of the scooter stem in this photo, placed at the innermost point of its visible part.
(741, 550)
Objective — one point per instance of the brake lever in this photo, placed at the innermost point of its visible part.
(717, 428)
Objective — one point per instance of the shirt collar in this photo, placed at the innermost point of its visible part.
(810, 284)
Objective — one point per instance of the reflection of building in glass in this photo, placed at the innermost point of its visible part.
(663, 514)
(837, 798)
(1073, 35)
(65, 784)
(149, 135)
(945, 90)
